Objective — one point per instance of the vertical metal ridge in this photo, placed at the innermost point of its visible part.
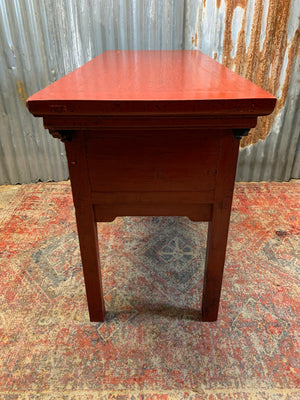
(43, 41)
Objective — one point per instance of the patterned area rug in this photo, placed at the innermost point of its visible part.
(151, 346)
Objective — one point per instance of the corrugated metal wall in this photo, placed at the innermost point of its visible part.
(42, 40)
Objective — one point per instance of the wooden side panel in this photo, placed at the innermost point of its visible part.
(187, 198)
(195, 205)
(185, 161)
(107, 213)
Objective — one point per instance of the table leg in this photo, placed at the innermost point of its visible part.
(218, 227)
(86, 225)
(88, 240)
(215, 258)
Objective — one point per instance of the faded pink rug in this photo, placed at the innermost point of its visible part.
(151, 346)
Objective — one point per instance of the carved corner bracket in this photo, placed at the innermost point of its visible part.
(239, 133)
(64, 136)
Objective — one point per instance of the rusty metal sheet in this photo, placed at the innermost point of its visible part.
(260, 40)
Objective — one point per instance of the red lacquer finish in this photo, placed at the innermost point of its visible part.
(152, 133)
(182, 81)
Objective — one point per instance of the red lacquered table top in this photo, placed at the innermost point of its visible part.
(172, 81)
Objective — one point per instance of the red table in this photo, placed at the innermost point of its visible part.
(152, 133)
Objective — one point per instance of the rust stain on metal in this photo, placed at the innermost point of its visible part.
(204, 3)
(195, 40)
(22, 92)
(262, 67)
(238, 3)
(218, 4)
